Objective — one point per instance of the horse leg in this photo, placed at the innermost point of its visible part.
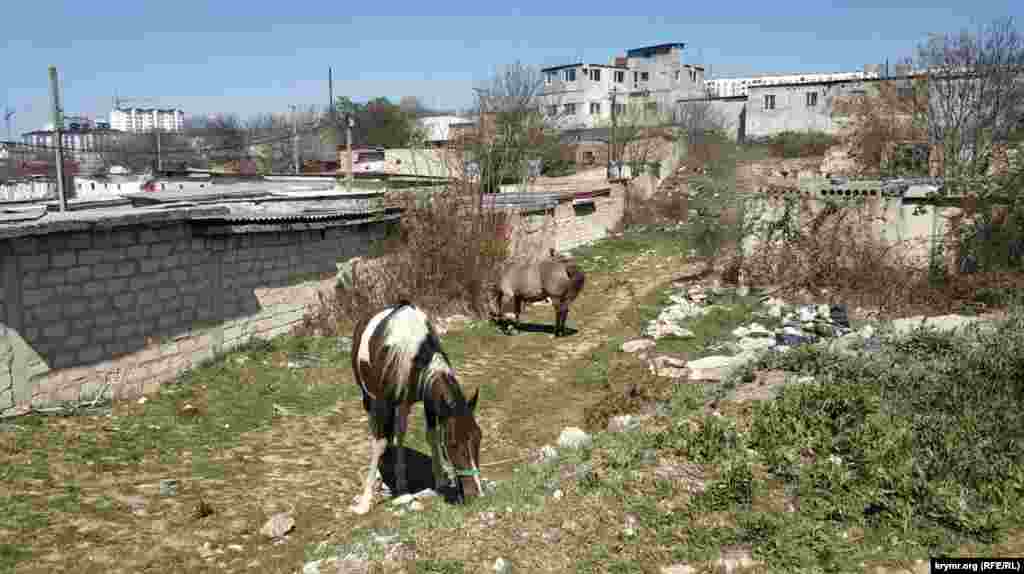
(557, 304)
(377, 447)
(518, 310)
(435, 450)
(401, 478)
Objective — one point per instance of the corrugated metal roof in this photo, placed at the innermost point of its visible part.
(200, 196)
(17, 215)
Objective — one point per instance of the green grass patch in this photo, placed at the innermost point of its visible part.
(608, 255)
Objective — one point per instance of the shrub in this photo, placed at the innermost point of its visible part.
(443, 258)
(799, 144)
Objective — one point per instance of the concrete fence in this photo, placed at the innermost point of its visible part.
(125, 304)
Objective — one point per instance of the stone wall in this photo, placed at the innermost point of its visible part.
(122, 309)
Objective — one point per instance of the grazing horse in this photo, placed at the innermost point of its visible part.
(555, 278)
(398, 361)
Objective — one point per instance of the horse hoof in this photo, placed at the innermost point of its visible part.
(359, 509)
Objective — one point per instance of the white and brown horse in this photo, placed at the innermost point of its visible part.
(397, 362)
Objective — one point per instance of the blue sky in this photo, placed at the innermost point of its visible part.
(250, 57)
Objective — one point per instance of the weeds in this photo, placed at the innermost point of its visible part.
(799, 144)
(443, 257)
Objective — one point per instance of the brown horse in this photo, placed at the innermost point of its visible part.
(556, 278)
(397, 362)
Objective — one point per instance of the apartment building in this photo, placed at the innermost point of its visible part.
(732, 87)
(579, 96)
(137, 120)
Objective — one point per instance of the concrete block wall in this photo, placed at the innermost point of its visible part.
(126, 309)
(567, 226)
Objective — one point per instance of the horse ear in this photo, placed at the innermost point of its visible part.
(472, 401)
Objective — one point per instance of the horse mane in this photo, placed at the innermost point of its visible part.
(408, 336)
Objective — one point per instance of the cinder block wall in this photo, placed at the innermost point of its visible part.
(567, 226)
(133, 306)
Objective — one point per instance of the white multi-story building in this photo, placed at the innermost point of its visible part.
(137, 120)
(731, 87)
(580, 95)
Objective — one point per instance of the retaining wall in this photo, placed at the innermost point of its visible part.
(123, 307)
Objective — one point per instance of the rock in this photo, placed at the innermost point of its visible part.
(663, 327)
(755, 343)
(807, 313)
(671, 367)
(552, 535)
(502, 566)
(428, 493)
(315, 566)
(942, 323)
(558, 494)
(648, 457)
(354, 566)
(839, 316)
(716, 367)
(735, 558)
(631, 525)
(546, 453)
(623, 423)
(573, 437)
(279, 524)
(168, 486)
(678, 569)
(637, 345)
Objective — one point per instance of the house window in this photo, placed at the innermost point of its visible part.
(570, 75)
(620, 77)
(769, 102)
(677, 75)
(552, 110)
(570, 109)
(693, 75)
(595, 74)
(620, 108)
(644, 76)
(548, 77)
(812, 99)
(595, 108)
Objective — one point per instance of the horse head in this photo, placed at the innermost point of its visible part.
(462, 438)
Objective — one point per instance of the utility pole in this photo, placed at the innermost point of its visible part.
(8, 114)
(611, 152)
(58, 132)
(295, 140)
(349, 122)
(159, 160)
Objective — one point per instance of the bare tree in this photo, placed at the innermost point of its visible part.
(512, 129)
(975, 103)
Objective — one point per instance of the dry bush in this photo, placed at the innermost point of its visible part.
(443, 259)
(837, 249)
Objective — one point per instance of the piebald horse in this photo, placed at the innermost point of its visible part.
(398, 361)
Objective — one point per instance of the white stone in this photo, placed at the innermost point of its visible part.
(425, 493)
(637, 345)
(573, 437)
(671, 367)
(278, 525)
(716, 367)
(678, 569)
(755, 343)
(502, 566)
(623, 423)
(558, 494)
